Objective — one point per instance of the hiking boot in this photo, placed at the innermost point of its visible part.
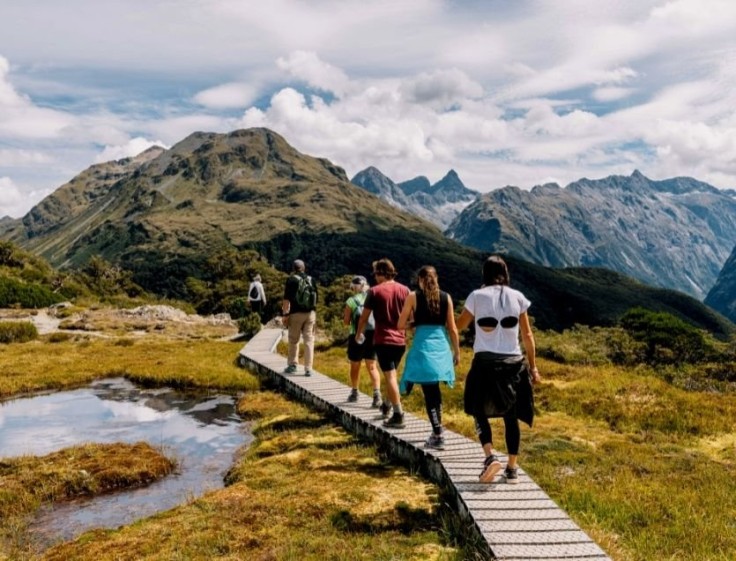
(353, 397)
(385, 408)
(436, 441)
(511, 474)
(307, 372)
(377, 401)
(291, 369)
(396, 421)
(491, 466)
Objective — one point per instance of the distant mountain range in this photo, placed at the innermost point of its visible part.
(163, 214)
(675, 233)
(722, 296)
(440, 203)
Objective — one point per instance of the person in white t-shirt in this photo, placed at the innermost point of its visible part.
(257, 296)
(499, 376)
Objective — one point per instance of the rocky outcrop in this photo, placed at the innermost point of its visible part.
(722, 297)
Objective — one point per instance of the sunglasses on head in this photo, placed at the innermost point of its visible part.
(508, 322)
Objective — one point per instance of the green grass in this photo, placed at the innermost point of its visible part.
(647, 469)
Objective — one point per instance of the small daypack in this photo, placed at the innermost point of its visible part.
(253, 294)
(358, 311)
(306, 293)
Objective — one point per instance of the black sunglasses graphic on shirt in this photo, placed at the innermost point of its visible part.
(507, 322)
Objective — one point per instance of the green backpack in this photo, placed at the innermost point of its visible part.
(358, 311)
(306, 293)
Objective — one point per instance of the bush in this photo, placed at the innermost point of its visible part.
(14, 293)
(17, 331)
(249, 325)
(666, 338)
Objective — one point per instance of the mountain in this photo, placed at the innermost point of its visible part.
(722, 297)
(167, 214)
(439, 203)
(675, 233)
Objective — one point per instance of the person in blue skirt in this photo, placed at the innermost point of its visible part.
(435, 349)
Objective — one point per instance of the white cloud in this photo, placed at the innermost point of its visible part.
(227, 96)
(505, 93)
(15, 201)
(132, 148)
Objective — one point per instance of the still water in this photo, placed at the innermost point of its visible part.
(202, 432)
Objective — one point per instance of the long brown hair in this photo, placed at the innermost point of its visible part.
(430, 287)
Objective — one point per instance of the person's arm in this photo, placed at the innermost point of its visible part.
(527, 338)
(263, 292)
(465, 319)
(407, 311)
(452, 331)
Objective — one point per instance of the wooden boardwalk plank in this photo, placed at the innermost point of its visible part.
(517, 522)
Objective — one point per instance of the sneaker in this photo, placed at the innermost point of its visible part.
(511, 475)
(436, 441)
(491, 466)
(307, 372)
(353, 397)
(385, 408)
(377, 401)
(396, 421)
(291, 369)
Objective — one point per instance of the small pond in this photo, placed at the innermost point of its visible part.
(201, 431)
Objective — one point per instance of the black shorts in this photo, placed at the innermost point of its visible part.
(366, 351)
(389, 356)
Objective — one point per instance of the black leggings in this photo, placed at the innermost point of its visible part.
(433, 403)
(513, 434)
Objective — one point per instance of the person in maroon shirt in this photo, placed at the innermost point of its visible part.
(386, 300)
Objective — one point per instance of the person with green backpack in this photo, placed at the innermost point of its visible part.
(365, 352)
(298, 311)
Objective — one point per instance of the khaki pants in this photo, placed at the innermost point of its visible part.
(302, 324)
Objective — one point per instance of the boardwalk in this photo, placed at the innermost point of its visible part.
(516, 522)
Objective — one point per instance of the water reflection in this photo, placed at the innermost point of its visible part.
(201, 432)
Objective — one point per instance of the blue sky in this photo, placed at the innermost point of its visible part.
(505, 93)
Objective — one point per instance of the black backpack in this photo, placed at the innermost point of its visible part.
(253, 294)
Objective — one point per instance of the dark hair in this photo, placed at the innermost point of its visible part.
(385, 268)
(495, 271)
(431, 289)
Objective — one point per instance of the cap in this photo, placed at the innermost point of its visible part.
(359, 280)
(299, 265)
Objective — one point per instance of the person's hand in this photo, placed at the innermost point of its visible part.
(455, 359)
(285, 320)
(360, 339)
(536, 378)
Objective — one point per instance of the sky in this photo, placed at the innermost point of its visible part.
(521, 92)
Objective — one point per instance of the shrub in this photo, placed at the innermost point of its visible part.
(666, 338)
(14, 293)
(249, 325)
(17, 331)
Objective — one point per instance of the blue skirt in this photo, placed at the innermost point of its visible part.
(429, 359)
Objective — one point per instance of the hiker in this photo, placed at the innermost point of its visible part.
(257, 296)
(299, 316)
(385, 300)
(499, 381)
(435, 349)
(365, 352)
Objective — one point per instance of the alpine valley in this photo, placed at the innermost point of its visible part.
(164, 213)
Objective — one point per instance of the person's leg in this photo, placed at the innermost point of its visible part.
(295, 331)
(513, 436)
(374, 375)
(308, 337)
(433, 404)
(491, 465)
